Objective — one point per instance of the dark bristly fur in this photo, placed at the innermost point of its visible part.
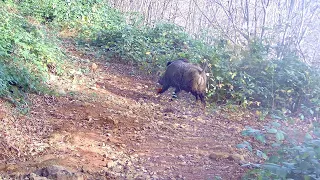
(186, 76)
(183, 59)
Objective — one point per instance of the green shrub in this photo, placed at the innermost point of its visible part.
(150, 47)
(89, 17)
(289, 158)
(25, 52)
(287, 84)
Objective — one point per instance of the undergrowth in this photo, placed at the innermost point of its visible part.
(27, 54)
(292, 156)
(250, 78)
(250, 75)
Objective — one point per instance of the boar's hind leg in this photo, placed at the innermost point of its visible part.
(202, 98)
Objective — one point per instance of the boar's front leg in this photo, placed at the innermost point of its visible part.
(163, 89)
(197, 96)
(175, 93)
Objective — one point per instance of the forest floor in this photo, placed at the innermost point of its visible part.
(109, 123)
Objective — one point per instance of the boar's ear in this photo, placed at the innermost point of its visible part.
(168, 63)
(185, 60)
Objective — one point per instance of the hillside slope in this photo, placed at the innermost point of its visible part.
(112, 125)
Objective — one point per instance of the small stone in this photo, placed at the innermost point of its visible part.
(118, 168)
(2, 114)
(111, 164)
(236, 157)
(94, 67)
(55, 172)
(33, 176)
(218, 155)
(180, 157)
(61, 92)
(155, 177)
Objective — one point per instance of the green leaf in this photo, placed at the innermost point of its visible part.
(245, 144)
(311, 111)
(289, 165)
(272, 131)
(276, 117)
(306, 177)
(308, 136)
(260, 138)
(241, 146)
(276, 145)
(219, 78)
(279, 136)
(276, 169)
(262, 155)
(275, 124)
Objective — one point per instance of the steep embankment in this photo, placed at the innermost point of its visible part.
(110, 124)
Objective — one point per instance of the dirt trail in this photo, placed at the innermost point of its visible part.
(112, 125)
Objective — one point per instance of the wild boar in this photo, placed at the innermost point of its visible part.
(186, 76)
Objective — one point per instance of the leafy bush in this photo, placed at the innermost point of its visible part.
(287, 84)
(150, 47)
(87, 17)
(26, 50)
(289, 158)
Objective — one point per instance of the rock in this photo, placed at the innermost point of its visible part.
(232, 157)
(89, 118)
(61, 91)
(3, 114)
(180, 157)
(34, 176)
(111, 164)
(118, 169)
(55, 172)
(218, 155)
(10, 167)
(236, 157)
(155, 177)
(180, 176)
(94, 67)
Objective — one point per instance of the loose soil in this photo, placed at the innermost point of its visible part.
(109, 123)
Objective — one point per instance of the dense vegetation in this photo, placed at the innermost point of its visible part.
(292, 156)
(29, 51)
